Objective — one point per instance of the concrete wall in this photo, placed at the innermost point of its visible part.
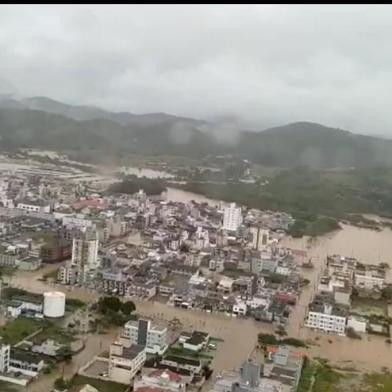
(12, 380)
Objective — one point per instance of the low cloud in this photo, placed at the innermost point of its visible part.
(265, 64)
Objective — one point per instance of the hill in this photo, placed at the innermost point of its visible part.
(83, 113)
(315, 145)
(44, 123)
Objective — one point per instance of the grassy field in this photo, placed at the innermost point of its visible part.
(54, 332)
(102, 386)
(319, 376)
(377, 382)
(18, 329)
(8, 387)
(368, 306)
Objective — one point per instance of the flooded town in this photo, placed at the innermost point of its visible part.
(189, 265)
(195, 198)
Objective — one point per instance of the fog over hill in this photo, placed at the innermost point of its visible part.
(41, 122)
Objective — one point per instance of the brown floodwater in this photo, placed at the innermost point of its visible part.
(239, 335)
(369, 247)
(178, 195)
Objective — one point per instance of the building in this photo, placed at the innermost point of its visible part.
(326, 315)
(284, 366)
(181, 363)
(25, 362)
(196, 341)
(143, 333)
(19, 304)
(125, 362)
(260, 237)
(85, 249)
(77, 220)
(369, 277)
(5, 350)
(160, 380)
(248, 379)
(141, 289)
(56, 250)
(29, 263)
(232, 217)
(34, 206)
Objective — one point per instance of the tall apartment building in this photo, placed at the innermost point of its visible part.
(5, 350)
(232, 217)
(260, 237)
(85, 249)
(125, 362)
(143, 333)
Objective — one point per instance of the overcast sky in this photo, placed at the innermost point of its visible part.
(264, 65)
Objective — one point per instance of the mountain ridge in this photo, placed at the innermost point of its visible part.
(296, 144)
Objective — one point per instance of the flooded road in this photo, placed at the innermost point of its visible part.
(369, 247)
(239, 335)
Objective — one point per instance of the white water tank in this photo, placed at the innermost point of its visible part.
(54, 304)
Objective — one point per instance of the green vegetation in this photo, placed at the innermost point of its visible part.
(318, 376)
(8, 387)
(181, 352)
(102, 386)
(318, 200)
(18, 329)
(72, 304)
(368, 306)
(113, 312)
(51, 331)
(268, 339)
(6, 272)
(132, 184)
(123, 134)
(378, 382)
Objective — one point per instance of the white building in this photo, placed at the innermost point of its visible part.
(369, 278)
(85, 249)
(232, 217)
(5, 350)
(77, 220)
(143, 333)
(17, 307)
(125, 362)
(328, 317)
(33, 206)
(358, 324)
(240, 308)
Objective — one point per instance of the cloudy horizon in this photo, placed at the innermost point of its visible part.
(256, 65)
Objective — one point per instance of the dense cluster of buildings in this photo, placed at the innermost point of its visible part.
(279, 372)
(217, 258)
(330, 310)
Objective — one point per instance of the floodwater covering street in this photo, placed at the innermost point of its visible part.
(239, 334)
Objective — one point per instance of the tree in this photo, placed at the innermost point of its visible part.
(128, 307)
(265, 339)
(109, 303)
(62, 384)
(281, 331)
